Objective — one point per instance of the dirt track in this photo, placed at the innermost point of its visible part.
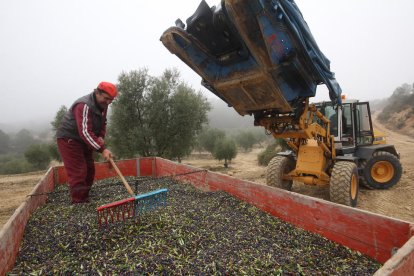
(14, 190)
(397, 202)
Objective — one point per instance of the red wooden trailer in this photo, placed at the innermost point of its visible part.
(385, 239)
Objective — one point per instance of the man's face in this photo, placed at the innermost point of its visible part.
(103, 99)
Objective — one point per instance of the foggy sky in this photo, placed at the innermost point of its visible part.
(54, 51)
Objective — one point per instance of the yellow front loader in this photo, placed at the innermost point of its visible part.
(260, 57)
(340, 153)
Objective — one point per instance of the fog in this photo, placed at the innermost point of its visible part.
(53, 52)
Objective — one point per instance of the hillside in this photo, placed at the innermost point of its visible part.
(398, 113)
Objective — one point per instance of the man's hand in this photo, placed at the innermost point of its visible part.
(107, 154)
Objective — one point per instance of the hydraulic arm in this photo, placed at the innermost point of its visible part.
(307, 133)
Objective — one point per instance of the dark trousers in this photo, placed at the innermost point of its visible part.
(79, 166)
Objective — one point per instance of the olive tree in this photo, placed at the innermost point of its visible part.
(53, 149)
(15, 165)
(38, 156)
(58, 118)
(225, 149)
(128, 127)
(155, 116)
(189, 113)
(246, 140)
(208, 138)
(22, 140)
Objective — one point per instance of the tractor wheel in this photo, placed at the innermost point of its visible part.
(278, 166)
(344, 186)
(362, 180)
(382, 171)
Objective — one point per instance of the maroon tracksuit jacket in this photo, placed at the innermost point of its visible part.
(81, 132)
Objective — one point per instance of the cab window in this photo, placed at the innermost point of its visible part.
(364, 127)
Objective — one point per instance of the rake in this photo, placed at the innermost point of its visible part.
(121, 176)
(131, 207)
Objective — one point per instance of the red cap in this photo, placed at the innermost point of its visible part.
(108, 88)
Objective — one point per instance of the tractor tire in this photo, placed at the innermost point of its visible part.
(382, 171)
(278, 166)
(344, 186)
(362, 180)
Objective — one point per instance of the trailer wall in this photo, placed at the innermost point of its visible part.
(374, 235)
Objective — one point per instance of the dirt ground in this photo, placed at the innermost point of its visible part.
(397, 202)
(14, 190)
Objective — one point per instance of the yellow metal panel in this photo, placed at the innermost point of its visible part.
(311, 159)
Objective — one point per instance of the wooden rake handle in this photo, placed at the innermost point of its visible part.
(121, 176)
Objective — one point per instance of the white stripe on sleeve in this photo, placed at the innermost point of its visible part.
(85, 128)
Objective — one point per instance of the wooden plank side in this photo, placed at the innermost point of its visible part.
(146, 166)
(102, 170)
(60, 175)
(165, 167)
(400, 264)
(374, 235)
(185, 173)
(12, 232)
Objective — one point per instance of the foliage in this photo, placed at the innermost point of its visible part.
(225, 149)
(16, 162)
(4, 142)
(261, 135)
(401, 99)
(271, 151)
(58, 118)
(12, 164)
(155, 115)
(14, 150)
(127, 128)
(208, 137)
(246, 140)
(22, 140)
(197, 145)
(54, 152)
(187, 121)
(53, 149)
(38, 156)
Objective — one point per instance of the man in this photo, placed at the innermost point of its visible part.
(81, 132)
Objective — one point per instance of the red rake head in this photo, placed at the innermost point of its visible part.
(116, 211)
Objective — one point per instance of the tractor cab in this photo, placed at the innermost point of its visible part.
(350, 124)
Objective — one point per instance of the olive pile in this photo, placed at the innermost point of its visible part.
(197, 233)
